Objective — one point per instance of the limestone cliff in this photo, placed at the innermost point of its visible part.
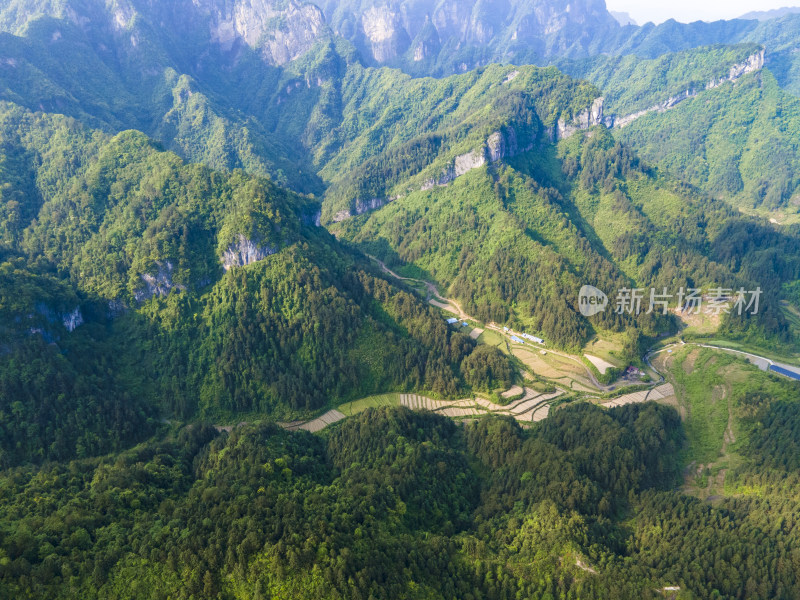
(587, 118)
(752, 64)
(157, 284)
(244, 252)
(281, 31)
(404, 32)
(498, 145)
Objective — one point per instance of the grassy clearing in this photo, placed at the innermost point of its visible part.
(792, 315)
(353, 408)
(698, 324)
(703, 383)
(492, 338)
(608, 347)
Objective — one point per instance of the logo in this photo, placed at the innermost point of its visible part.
(591, 301)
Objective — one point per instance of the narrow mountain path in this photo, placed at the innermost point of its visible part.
(432, 290)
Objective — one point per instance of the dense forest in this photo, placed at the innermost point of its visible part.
(393, 503)
(390, 504)
(128, 297)
(515, 242)
(191, 197)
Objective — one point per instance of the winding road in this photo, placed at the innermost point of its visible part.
(433, 291)
(762, 362)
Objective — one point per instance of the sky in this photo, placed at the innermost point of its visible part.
(686, 11)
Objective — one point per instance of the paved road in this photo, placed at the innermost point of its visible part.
(464, 316)
(762, 362)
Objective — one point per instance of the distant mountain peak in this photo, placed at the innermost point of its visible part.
(623, 18)
(776, 13)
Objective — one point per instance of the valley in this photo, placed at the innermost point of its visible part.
(293, 302)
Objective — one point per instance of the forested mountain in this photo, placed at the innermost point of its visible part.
(475, 181)
(205, 210)
(737, 142)
(395, 504)
(475, 178)
(128, 262)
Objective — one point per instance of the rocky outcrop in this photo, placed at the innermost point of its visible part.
(587, 118)
(752, 64)
(361, 207)
(461, 165)
(506, 31)
(385, 33)
(499, 145)
(667, 104)
(244, 252)
(282, 31)
(427, 43)
(70, 320)
(158, 284)
(73, 320)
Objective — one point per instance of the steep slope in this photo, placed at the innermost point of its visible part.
(631, 85)
(203, 293)
(515, 240)
(714, 117)
(410, 505)
(445, 37)
(399, 134)
(123, 68)
(62, 394)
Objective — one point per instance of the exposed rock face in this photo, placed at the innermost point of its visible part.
(244, 252)
(73, 320)
(373, 204)
(754, 63)
(594, 115)
(499, 145)
(670, 102)
(384, 30)
(587, 118)
(502, 29)
(282, 31)
(427, 43)
(70, 320)
(361, 207)
(159, 284)
(467, 162)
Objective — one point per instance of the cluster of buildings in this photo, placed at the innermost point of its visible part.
(516, 338)
(453, 321)
(525, 336)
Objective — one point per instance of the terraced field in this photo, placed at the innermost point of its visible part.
(662, 392)
(353, 408)
(318, 424)
(533, 406)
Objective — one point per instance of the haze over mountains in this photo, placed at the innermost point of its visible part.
(765, 15)
(236, 212)
(476, 181)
